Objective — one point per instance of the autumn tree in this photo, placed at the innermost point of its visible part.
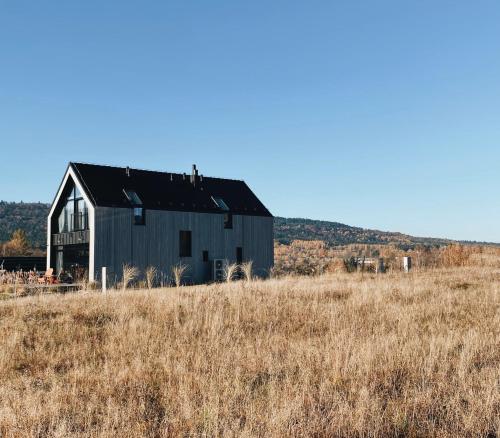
(18, 245)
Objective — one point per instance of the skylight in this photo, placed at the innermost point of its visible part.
(132, 197)
(219, 202)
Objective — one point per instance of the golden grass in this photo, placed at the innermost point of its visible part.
(130, 273)
(339, 355)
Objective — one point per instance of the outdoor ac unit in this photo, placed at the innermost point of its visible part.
(219, 266)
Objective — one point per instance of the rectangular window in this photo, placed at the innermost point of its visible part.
(205, 256)
(228, 220)
(62, 221)
(239, 255)
(184, 243)
(139, 216)
(80, 215)
(70, 214)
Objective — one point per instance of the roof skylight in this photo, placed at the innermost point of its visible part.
(219, 202)
(132, 197)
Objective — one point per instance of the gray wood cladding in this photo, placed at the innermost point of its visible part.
(119, 241)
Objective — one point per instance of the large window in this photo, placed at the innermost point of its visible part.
(74, 213)
(185, 243)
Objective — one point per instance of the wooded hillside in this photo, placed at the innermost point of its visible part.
(28, 216)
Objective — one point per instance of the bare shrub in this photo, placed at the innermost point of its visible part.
(455, 255)
(336, 265)
(178, 272)
(151, 274)
(246, 270)
(130, 273)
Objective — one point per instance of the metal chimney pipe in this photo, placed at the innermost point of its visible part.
(194, 175)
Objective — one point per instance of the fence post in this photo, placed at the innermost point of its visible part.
(104, 278)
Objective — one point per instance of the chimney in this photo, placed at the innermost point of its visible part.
(127, 171)
(194, 175)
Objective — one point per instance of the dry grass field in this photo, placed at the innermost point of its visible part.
(335, 355)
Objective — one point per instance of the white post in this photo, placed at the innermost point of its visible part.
(407, 264)
(104, 278)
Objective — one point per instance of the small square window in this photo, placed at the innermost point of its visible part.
(139, 216)
(205, 256)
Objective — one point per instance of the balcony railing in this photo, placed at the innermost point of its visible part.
(71, 238)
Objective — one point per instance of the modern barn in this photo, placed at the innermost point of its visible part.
(105, 216)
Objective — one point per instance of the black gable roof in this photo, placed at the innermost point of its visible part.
(166, 191)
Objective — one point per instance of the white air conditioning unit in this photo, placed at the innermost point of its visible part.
(218, 269)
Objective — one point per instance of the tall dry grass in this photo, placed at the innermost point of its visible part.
(178, 273)
(247, 270)
(230, 271)
(335, 355)
(130, 273)
(151, 275)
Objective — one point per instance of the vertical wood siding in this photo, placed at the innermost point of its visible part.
(118, 241)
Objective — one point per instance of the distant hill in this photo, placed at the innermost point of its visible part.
(335, 233)
(32, 217)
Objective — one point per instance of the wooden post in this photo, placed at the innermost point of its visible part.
(104, 277)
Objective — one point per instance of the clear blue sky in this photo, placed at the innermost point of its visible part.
(381, 114)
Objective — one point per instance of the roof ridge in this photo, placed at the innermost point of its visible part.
(152, 171)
